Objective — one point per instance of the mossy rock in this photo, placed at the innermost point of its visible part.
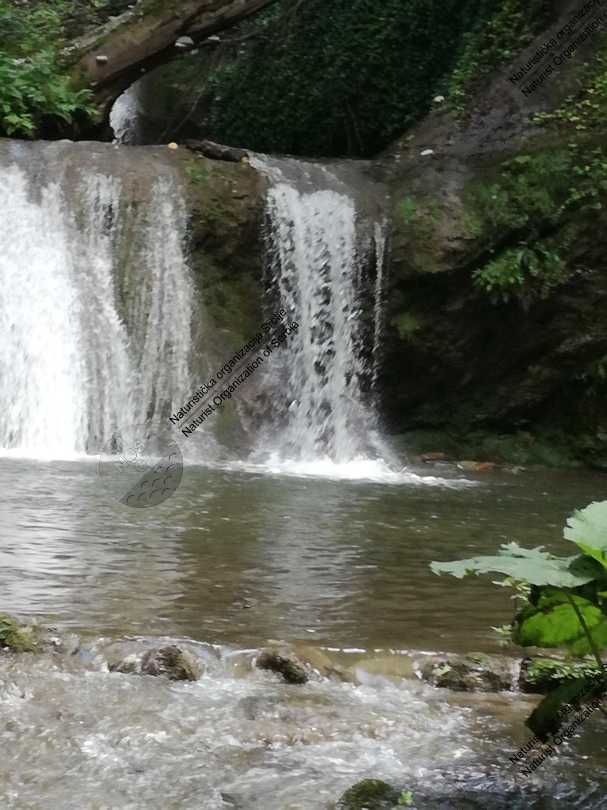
(469, 673)
(15, 638)
(369, 794)
(171, 662)
(285, 663)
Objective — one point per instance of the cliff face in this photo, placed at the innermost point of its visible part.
(498, 280)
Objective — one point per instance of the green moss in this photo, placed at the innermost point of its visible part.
(407, 325)
(13, 637)
(369, 794)
(407, 209)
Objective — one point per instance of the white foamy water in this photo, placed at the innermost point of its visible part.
(236, 738)
(124, 116)
(88, 353)
(318, 249)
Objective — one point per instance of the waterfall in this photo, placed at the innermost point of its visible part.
(378, 317)
(318, 243)
(90, 353)
(124, 116)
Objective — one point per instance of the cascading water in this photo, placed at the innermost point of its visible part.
(319, 247)
(88, 352)
(124, 116)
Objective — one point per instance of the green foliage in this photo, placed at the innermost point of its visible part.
(495, 36)
(521, 268)
(552, 621)
(349, 76)
(32, 86)
(584, 112)
(588, 530)
(531, 196)
(531, 565)
(567, 605)
(336, 78)
(554, 671)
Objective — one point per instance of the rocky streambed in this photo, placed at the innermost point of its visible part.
(171, 722)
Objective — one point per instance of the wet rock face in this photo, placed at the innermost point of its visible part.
(473, 673)
(170, 662)
(283, 662)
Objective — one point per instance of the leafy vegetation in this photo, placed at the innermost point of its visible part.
(495, 37)
(567, 602)
(35, 92)
(348, 77)
(532, 197)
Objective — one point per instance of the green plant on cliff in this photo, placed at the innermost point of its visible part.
(32, 85)
(525, 213)
(496, 36)
(567, 603)
(532, 270)
(583, 113)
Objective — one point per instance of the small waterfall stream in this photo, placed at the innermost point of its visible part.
(322, 252)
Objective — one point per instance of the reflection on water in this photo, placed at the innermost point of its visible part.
(241, 557)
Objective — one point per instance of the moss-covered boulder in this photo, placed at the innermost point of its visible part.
(170, 662)
(16, 638)
(369, 794)
(468, 673)
(285, 663)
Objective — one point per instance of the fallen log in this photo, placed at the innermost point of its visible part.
(217, 151)
(110, 58)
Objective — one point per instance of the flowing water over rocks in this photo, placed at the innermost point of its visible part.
(89, 352)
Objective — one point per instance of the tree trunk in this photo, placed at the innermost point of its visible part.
(112, 57)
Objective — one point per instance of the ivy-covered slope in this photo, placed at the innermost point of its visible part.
(339, 78)
(37, 97)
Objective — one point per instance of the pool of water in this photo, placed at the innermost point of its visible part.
(238, 557)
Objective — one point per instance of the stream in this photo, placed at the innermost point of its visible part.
(242, 556)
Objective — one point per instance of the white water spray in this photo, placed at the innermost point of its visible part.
(319, 251)
(88, 352)
(124, 116)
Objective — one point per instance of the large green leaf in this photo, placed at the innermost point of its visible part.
(587, 528)
(548, 717)
(553, 622)
(533, 565)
